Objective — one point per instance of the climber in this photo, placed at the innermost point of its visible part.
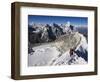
(71, 51)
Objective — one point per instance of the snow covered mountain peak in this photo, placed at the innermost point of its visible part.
(67, 50)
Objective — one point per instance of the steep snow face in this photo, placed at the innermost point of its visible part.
(48, 55)
(42, 56)
(82, 48)
(80, 55)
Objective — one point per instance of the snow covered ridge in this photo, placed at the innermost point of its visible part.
(69, 49)
(41, 33)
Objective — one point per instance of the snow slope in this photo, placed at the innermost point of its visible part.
(66, 59)
(58, 53)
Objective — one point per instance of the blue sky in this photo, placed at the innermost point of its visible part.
(83, 21)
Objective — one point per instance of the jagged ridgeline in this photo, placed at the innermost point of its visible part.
(64, 42)
(53, 35)
(67, 41)
(42, 33)
(56, 45)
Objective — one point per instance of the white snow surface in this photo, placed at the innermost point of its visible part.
(47, 55)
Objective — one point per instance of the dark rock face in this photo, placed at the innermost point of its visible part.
(34, 37)
(82, 53)
(49, 34)
(58, 30)
(38, 33)
(71, 27)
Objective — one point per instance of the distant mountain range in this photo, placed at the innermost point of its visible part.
(83, 30)
(39, 33)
